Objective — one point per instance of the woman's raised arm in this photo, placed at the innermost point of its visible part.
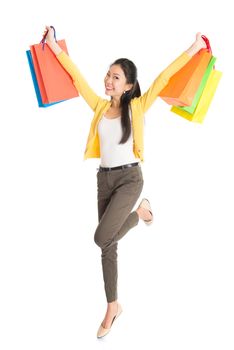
(78, 80)
(162, 80)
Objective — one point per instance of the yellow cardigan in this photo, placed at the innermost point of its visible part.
(139, 105)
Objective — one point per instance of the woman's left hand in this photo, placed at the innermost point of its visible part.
(199, 42)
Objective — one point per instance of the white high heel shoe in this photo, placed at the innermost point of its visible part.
(102, 331)
(146, 205)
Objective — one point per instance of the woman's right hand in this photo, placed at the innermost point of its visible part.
(50, 34)
(51, 41)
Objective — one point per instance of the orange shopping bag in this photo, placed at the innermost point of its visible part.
(55, 84)
(183, 85)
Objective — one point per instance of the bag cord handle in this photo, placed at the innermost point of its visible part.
(207, 43)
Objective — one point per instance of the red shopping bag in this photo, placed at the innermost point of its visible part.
(55, 84)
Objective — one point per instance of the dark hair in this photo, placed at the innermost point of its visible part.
(130, 72)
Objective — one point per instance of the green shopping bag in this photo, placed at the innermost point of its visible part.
(205, 100)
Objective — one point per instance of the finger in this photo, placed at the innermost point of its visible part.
(198, 35)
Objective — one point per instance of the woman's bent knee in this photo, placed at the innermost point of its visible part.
(97, 239)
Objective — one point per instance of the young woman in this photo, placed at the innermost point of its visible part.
(116, 136)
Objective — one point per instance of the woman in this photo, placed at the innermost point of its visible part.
(116, 136)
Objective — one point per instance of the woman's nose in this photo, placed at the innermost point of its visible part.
(108, 80)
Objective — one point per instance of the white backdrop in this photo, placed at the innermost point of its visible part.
(175, 277)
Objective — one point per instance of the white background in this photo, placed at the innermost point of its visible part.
(175, 277)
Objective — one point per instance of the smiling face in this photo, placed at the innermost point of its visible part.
(115, 82)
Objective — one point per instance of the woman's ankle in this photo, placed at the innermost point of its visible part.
(112, 305)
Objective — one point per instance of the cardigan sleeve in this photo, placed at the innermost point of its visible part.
(78, 80)
(162, 80)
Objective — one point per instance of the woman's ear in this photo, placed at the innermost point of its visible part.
(128, 87)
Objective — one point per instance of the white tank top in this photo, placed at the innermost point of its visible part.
(112, 153)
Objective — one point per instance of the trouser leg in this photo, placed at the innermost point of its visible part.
(115, 220)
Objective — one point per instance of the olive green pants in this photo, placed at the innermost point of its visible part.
(118, 191)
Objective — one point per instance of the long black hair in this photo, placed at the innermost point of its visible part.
(130, 72)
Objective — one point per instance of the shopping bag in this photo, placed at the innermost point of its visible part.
(183, 85)
(191, 109)
(205, 99)
(54, 83)
(35, 83)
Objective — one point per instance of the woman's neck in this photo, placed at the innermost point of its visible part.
(115, 103)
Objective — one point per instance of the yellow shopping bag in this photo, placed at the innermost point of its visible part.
(205, 100)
